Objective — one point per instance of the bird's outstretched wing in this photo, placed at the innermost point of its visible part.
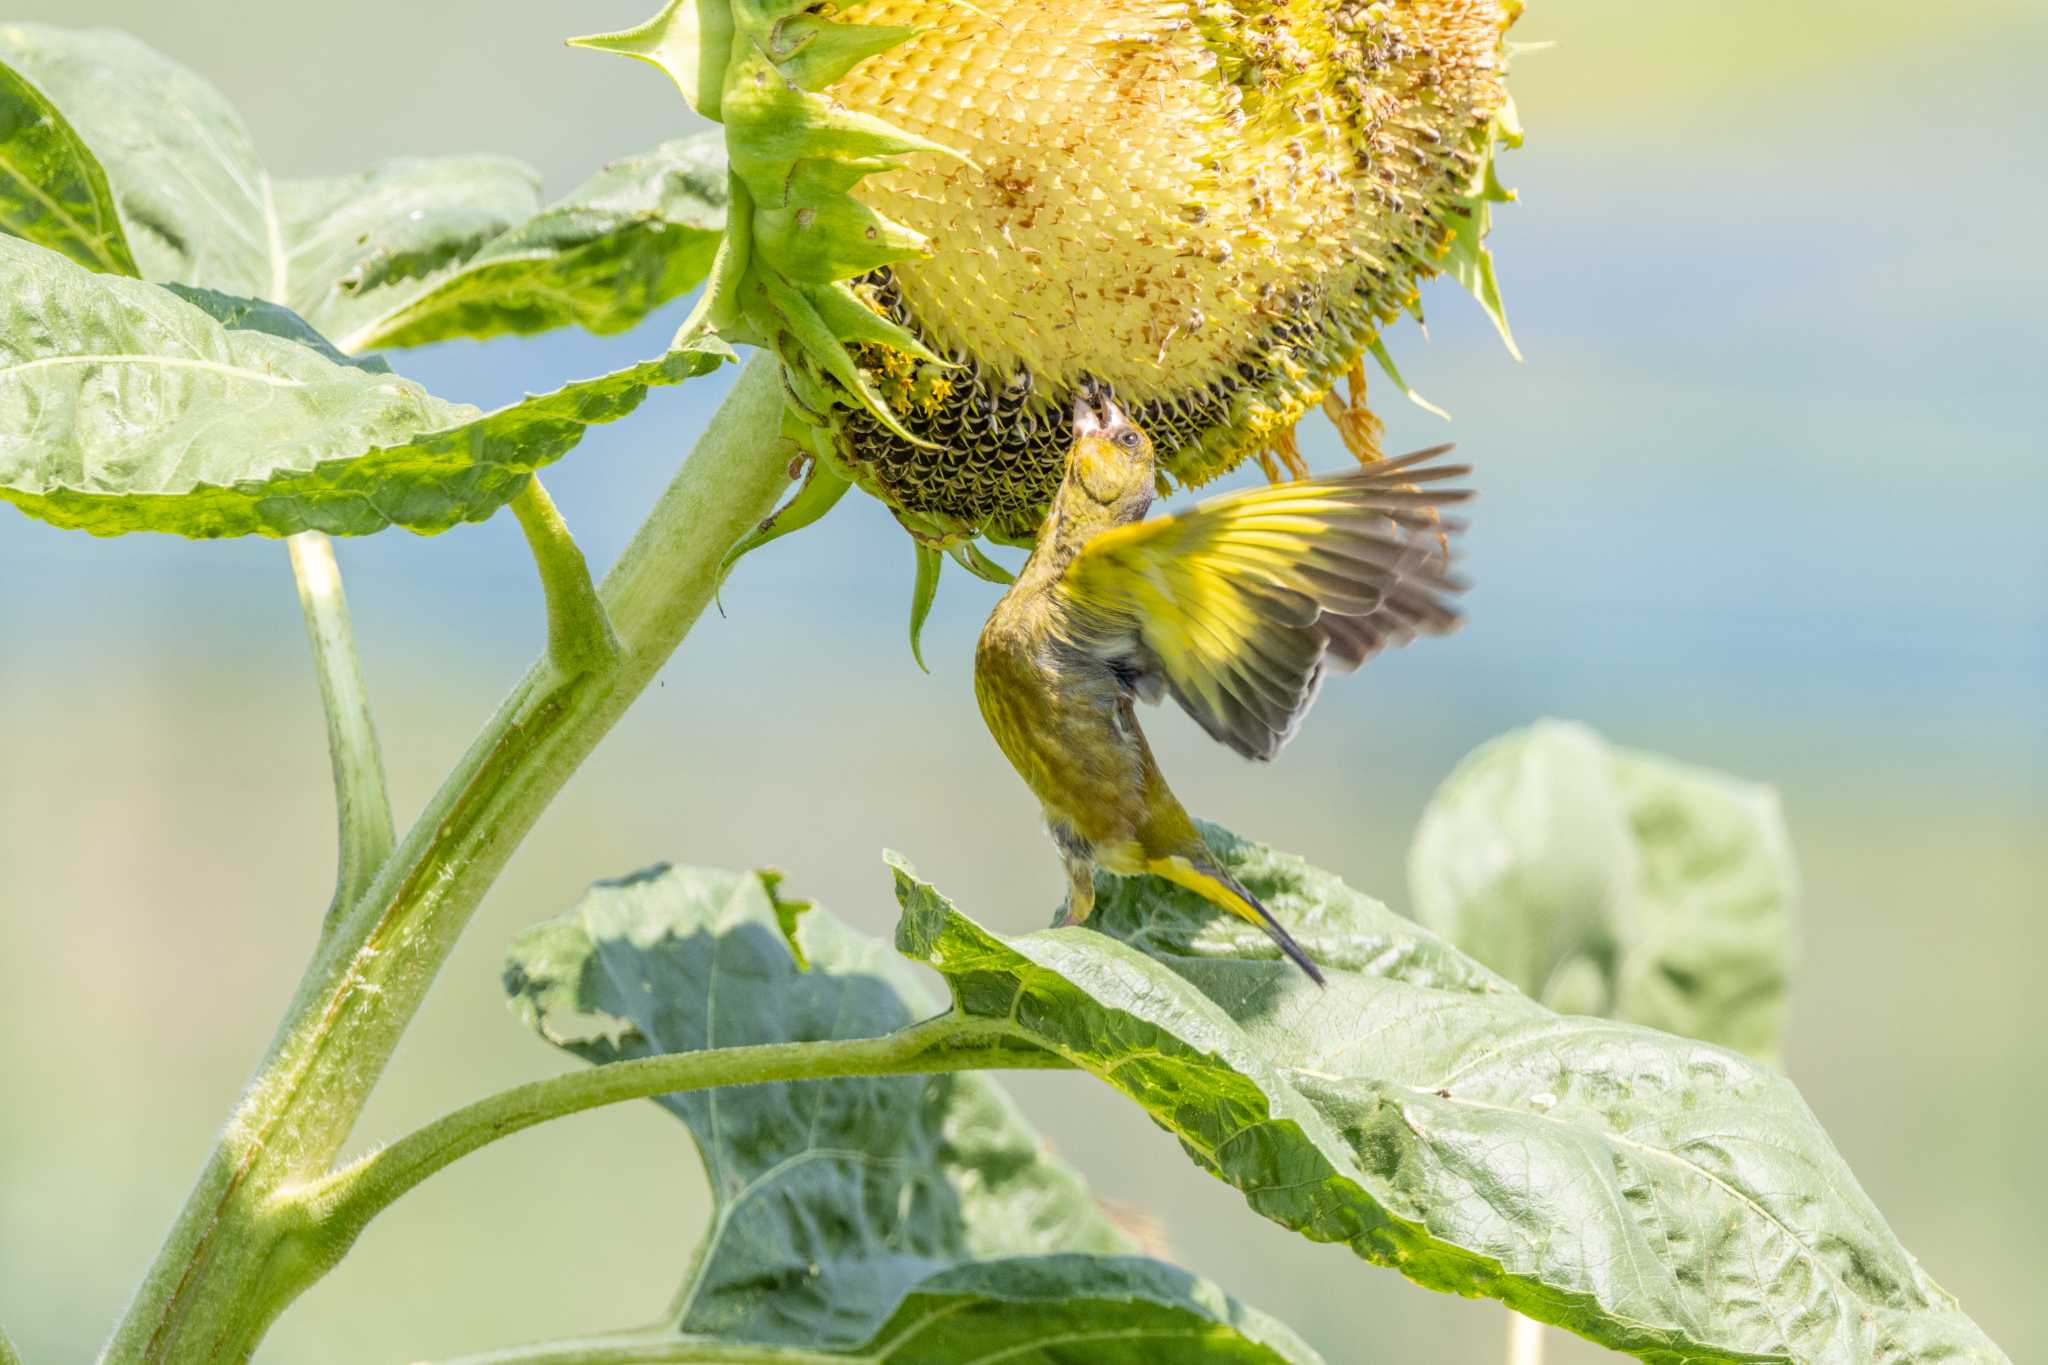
(1238, 605)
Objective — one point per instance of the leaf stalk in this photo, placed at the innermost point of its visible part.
(580, 634)
(343, 1203)
(362, 799)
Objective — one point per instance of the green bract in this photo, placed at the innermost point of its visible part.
(794, 235)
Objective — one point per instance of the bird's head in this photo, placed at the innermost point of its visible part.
(1110, 474)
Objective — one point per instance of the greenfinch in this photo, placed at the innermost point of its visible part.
(1236, 608)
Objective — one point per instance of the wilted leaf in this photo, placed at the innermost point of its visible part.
(913, 1216)
(123, 407)
(53, 190)
(1661, 1196)
(1607, 882)
(411, 251)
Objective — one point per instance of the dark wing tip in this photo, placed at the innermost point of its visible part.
(1410, 609)
(1406, 492)
(1414, 457)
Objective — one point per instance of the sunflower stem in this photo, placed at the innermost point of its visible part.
(239, 1250)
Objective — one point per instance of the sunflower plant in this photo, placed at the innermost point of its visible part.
(929, 221)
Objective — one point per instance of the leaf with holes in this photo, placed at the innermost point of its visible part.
(124, 407)
(914, 1219)
(1660, 1196)
(1608, 882)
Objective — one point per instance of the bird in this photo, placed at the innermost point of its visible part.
(1236, 608)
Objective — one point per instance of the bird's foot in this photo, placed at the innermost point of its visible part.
(1358, 425)
(1080, 896)
(1362, 430)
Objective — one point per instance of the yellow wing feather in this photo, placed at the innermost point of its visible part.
(1238, 605)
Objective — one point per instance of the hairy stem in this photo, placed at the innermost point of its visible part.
(362, 803)
(8, 1355)
(237, 1254)
(580, 635)
(343, 1204)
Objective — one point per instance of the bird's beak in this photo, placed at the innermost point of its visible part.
(1086, 420)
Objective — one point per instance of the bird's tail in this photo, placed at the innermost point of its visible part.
(1203, 877)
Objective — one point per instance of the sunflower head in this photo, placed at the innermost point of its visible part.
(950, 217)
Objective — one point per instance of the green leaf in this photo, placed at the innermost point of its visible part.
(1658, 1195)
(1607, 882)
(913, 1216)
(197, 204)
(238, 314)
(1105, 1310)
(53, 191)
(411, 251)
(366, 245)
(418, 251)
(123, 407)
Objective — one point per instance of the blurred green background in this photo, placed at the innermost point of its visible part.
(1765, 496)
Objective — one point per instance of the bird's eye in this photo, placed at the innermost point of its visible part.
(1127, 439)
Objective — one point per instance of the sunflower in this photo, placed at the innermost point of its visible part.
(950, 216)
